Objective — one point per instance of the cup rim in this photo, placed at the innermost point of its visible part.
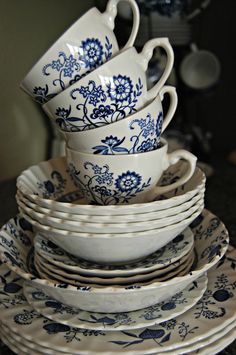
(164, 146)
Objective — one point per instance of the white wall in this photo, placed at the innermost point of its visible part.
(27, 29)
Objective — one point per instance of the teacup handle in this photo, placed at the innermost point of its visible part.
(171, 91)
(111, 12)
(147, 54)
(173, 158)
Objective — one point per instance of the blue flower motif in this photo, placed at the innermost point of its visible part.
(68, 72)
(97, 169)
(62, 112)
(149, 129)
(91, 52)
(71, 62)
(84, 91)
(105, 178)
(147, 145)
(128, 181)
(57, 65)
(40, 91)
(103, 190)
(141, 122)
(120, 88)
(101, 112)
(111, 141)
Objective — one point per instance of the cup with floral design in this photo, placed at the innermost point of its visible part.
(115, 90)
(137, 133)
(127, 178)
(87, 44)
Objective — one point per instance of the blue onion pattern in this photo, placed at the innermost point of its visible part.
(90, 55)
(52, 188)
(100, 106)
(127, 185)
(148, 137)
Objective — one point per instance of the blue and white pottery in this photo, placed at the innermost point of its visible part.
(16, 243)
(110, 93)
(137, 133)
(131, 178)
(212, 317)
(50, 185)
(87, 44)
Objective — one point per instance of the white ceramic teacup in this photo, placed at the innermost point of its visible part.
(113, 91)
(137, 133)
(127, 178)
(200, 69)
(88, 43)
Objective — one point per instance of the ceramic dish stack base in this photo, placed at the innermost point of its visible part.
(16, 250)
(205, 328)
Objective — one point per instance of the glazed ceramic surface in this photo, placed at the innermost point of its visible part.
(212, 314)
(155, 314)
(49, 185)
(80, 50)
(113, 91)
(129, 178)
(113, 248)
(163, 258)
(98, 228)
(211, 242)
(140, 217)
(137, 133)
(51, 272)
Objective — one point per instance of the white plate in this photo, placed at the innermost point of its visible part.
(162, 259)
(156, 314)
(46, 270)
(49, 185)
(206, 347)
(211, 243)
(211, 315)
(138, 217)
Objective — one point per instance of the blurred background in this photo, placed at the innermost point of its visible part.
(205, 119)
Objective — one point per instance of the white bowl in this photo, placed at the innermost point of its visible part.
(49, 185)
(98, 228)
(113, 248)
(211, 243)
(137, 217)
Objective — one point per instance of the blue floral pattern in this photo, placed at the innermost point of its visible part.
(127, 185)
(52, 188)
(90, 55)
(148, 137)
(99, 106)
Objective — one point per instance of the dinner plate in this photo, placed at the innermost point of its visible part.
(164, 258)
(211, 242)
(50, 185)
(155, 314)
(206, 347)
(211, 315)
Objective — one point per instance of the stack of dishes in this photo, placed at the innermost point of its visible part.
(137, 266)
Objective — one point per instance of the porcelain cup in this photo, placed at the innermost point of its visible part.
(128, 178)
(200, 69)
(113, 91)
(88, 43)
(137, 133)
